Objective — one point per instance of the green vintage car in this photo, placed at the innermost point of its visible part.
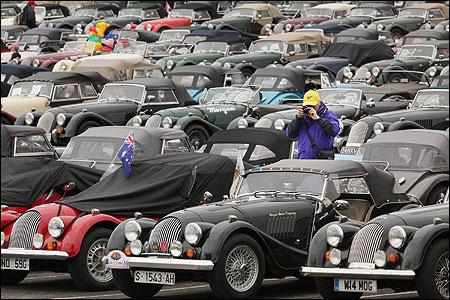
(206, 52)
(216, 110)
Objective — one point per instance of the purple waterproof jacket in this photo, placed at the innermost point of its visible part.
(322, 132)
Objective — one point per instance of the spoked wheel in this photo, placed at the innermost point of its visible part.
(441, 275)
(241, 268)
(95, 266)
(198, 135)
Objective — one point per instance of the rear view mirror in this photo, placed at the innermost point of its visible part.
(341, 204)
(370, 104)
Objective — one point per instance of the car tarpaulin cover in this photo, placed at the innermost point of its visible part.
(25, 179)
(159, 185)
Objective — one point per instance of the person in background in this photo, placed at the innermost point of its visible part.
(29, 15)
(15, 54)
(315, 128)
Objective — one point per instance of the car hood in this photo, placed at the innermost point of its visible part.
(266, 57)
(168, 20)
(404, 62)
(415, 113)
(232, 21)
(421, 216)
(352, 21)
(304, 20)
(332, 63)
(48, 211)
(403, 20)
(194, 57)
(101, 108)
(348, 111)
(17, 105)
(411, 178)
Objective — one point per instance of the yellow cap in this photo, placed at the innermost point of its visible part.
(311, 97)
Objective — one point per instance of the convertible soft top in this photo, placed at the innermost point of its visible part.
(360, 52)
(20, 71)
(366, 33)
(295, 75)
(216, 73)
(67, 77)
(51, 33)
(9, 132)
(297, 37)
(159, 185)
(429, 33)
(196, 6)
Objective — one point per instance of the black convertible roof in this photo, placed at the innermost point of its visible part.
(51, 33)
(9, 132)
(360, 52)
(212, 10)
(216, 73)
(366, 33)
(294, 75)
(67, 77)
(229, 39)
(429, 33)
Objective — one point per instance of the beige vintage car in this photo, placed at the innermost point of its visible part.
(114, 66)
(46, 90)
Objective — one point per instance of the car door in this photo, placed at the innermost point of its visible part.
(65, 94)
(435, 16)
(156, 100)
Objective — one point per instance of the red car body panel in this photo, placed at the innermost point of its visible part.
(10, 117)
(171, 23)
(47, 60)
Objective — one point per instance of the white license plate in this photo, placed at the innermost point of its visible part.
(355, 285)
(167, 278)
(15, 264)
(349, 150)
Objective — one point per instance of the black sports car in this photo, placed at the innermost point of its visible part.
(263, 231)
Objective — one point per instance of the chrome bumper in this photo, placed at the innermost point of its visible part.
(357, 273)
(170, 263)
(34, 254)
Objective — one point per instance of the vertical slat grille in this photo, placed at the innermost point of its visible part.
(154, 121)
(264, 123)
(365, 243)
(358, 133)
(168, 230)
(24, 229)
(425, 123)
(281, 225)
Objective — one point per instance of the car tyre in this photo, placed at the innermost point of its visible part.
(87, 269)
(432, 275)
(236, 248)
(435, 194)
(197, 134)
(397, 34)
(13, 277)
(86, 125)
(124, 281)
(247, 73)
(325, 287)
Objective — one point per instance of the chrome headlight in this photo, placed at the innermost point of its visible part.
(361, 26)
(35, 63)
(132, 230)
(376, 71)
(210, 26)
(379, 258)
(193, 233)
(51, 25)
(217, 64)
(55, 227)
(169, 64)
(14, 61)
(341, 126)
(136, 121)
(397, 237)
(227, 65)
(426, 26)
(167, 122)
(380, 27)
(61, 119)
(148, 27)
(176, 248)
(38, 241)
(432, 71)
(279, 124)
(368, 75)
(29, 118)
(335, 256)
(3, 238)
(242, 123)
(348, 72)
(267, 27)
(446, 27)
(335, 234)
(136, 247)
(288, 27)
(202, 63)
(378, 128)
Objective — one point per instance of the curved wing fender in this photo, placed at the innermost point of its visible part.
(320, 67)
(64, 25)
(117, 239)
(74, 122)
(405, 124)
(143, 118)
(250, 121)
(242, 66)
(424, 186)
(183, 122)
(397, 26)
(21, 119)
(418, 246)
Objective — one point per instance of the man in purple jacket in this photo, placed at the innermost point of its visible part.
(315, 127)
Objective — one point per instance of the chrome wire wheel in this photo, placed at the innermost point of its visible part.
(441, 275)
(241, 268)
(96, 267)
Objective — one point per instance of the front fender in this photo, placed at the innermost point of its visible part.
(242, 66)
(183, 122)
(251, 121)
(117, 240)
(74, 122)
(424, 186)
(184, 62)
(21, 119)
(284, 98)
(391, 27)
(418, 246)
(405, 124)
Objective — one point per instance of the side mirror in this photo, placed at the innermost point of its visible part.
(370, 104)
(341, 204)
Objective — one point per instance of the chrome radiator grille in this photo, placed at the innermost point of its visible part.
(264, 123)
(365, 243)
(168, 230)
(24, 229)
(358, 133)
(46, 122)
(154, 121)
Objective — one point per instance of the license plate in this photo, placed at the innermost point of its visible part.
(167, 278)
(347, 150)
(355, 285)
(15, 264)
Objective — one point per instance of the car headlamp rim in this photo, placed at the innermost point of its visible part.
(347, 72)
(379, 258)
(136, 121)
(376, 71)
(35, 63)
(288, 27)
(29, 118)
(279, 124)
(267, 27)
(167, 122)
(176, 248)
(61, 119)
(432, 71)
(380, 27)
(132, 230)
(170, 64)
(397, 237)
(335, 256)
(38, 241)
(148, 27)
(242, 123)
(378, 128)
(335, 235)
(227, 65)
(55, 227)
(193, 233)
(3, 238)
(136, 247)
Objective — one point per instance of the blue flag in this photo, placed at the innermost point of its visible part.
(125, 154)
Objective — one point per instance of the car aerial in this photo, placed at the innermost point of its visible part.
(313, 15)
(248, 19)
(117, 103)
(183, 15)
(429, 110)
(358, 33)
(340, 55)
(50, 11)
(279, 49)
(9, 33)
(11, 73)
(263, 231)
(404, 250)
(412, 18)
(207, 51)
(198, 79)
(78, 227)
(9, 13)
(44, 90)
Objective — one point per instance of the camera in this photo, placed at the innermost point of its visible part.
(306, 109)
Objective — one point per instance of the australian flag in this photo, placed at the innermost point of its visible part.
(125, 154)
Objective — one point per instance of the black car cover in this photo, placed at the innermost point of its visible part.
(158, 185)
(24, 179)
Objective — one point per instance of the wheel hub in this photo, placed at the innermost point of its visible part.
(441, 275)
(241, 268)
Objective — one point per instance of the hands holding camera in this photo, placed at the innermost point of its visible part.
(309, 111)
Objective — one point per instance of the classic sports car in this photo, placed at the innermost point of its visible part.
(441, 81)
(248, 18)
(295, 9)
(339, 55)
(429, 110)
(50, 11)
(329, 30)
(72, 234)
(278, 49)
(263, 231)
(412, 18)
(118, 102)
(181, 16)
(404, 250)
(45, 90)
(422, 36)
(11, 73)
(353, 34)
(442, 26)
(10, 33)
(198, 79)
(314, 15)
(9, 13)
(207, 52)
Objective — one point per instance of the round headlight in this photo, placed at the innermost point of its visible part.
(217, 64)
(267, 27)
(193, 233)
(38, 241)
(169, 64)
(446, 27)
(368, 75)
(61, 119)
(55, 227)
(227, 65)
(210, 26)
(288, 27)
(242, 123)
(376, 71)
(176, 248)
(136, 121)
(426, 26)
(335, 256)
(397, 237)
(3, 238)
(132, 230)
(379, 258)
(136, 247)
(361, 26)
(167, 122)
(279, 124)
(432, 71)
(348, 72)
(380, 27)
(148, 27)
(335, 234)
(202, 63)
(51, 25)
(14, 61)
(378, 128)
(35, 63)
(29, 118)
